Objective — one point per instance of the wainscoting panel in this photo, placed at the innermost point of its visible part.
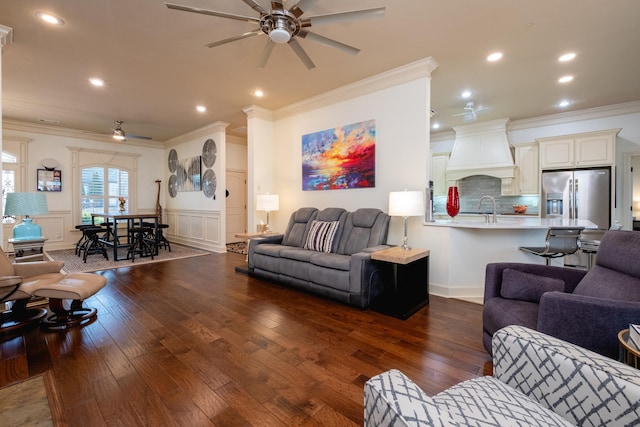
(199, 229)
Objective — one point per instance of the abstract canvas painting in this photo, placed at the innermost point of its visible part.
(339, 158)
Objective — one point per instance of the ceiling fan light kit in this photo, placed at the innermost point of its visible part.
(283, 26)
(118, 132)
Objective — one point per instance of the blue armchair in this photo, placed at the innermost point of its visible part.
(585, 308)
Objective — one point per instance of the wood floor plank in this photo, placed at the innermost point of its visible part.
(193, 342)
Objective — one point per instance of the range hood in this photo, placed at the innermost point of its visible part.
(482, 149)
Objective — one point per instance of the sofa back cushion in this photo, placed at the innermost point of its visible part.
(363, 228)
(616, 273)
(298, 226)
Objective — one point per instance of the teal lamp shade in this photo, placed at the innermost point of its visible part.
(25, 204)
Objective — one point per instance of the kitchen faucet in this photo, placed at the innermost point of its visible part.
(493, 200)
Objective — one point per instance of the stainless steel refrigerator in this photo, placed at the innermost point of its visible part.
(578, 194)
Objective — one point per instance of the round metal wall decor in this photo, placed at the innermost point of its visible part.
(209, 184)
(173, 161)
(173, 185)
(209, 152)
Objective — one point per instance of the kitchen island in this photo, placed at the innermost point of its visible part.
(462, 247)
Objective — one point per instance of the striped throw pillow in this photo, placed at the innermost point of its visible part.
(321, 234)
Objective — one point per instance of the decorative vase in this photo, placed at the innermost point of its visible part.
(453, 202)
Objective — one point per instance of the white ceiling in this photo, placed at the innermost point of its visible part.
(157, 67)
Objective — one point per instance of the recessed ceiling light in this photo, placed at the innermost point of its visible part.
(564, 103)
(494, 57)
(567, 57)
(49, 18)
(565, 79)
(201, 108)
(96, 81)
(258, 93)
(436, 126)
(466, 94)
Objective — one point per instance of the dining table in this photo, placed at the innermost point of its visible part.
(132, 219)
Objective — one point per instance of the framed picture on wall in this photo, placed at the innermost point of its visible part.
(49, 180)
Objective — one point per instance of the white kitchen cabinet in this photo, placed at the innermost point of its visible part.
(527, 178)
(438, 169)
(578, 150)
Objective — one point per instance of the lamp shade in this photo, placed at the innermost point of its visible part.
(21, 204)
(25, 204)
(267, 202)
(406, 203)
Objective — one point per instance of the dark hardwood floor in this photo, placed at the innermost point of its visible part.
(191, 342)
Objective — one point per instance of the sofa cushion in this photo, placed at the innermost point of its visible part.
(298, 226)
(321, 235)
(602, 282)
(333, 261)
(526, 286)
(500, 312)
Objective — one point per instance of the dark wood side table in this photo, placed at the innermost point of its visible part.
(408, 291)
(636, 225)
(629, 353)
(25, 250)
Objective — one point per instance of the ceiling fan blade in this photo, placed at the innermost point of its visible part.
(297, 48)
(277, 5)
(333, 18)
(234, 38)
(255, 6)
(266, 53)
(212, 13)
(301, 7)
(328, 42)
(137, 136)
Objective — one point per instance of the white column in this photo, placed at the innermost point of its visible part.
(6, 37)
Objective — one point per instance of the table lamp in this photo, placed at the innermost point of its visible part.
(25, 204)
(405, 204)
(268, 203)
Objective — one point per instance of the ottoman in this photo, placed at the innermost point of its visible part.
(75, 287)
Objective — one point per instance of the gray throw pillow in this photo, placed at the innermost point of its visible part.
(526, 286)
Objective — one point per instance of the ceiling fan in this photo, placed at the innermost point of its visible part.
(470, 112)
(121, 135)
(283, 25)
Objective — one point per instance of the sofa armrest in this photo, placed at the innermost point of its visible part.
(493, 275)
(376, 248)
(589, 322)
(252, 243)
(581, 386)
(392, 399)
(367, 278)
(30, 269)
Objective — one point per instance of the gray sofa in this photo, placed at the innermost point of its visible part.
(326, 252)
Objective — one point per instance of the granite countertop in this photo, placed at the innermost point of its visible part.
(505, 222)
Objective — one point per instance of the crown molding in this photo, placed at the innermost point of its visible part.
(407, 73)
(6, 35)
(578, 115)
(205, 131)
(9, 125)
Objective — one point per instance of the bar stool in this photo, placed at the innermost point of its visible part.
(141, 244)
(560, 241)
(92, 244)
(83, 238)
(162, 241)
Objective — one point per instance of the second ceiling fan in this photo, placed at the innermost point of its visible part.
(283, 25)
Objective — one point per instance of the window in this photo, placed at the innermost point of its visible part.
(101, 188)
(8, 180)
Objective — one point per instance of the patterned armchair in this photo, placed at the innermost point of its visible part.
(538, 381)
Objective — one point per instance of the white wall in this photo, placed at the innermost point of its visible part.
(47, 142)
(194, 219)
(402, 147)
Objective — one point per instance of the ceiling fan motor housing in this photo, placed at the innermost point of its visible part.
(280, 26)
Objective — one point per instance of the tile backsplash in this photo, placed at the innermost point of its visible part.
(472, 188)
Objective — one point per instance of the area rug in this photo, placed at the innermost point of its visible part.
(237, 247)
(33, 402)
(96, 262)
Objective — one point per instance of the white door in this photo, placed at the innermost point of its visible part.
(236, 204)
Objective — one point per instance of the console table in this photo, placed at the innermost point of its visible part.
(25, 250)
(408, 290)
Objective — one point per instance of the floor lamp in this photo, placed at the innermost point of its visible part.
(405, 204)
